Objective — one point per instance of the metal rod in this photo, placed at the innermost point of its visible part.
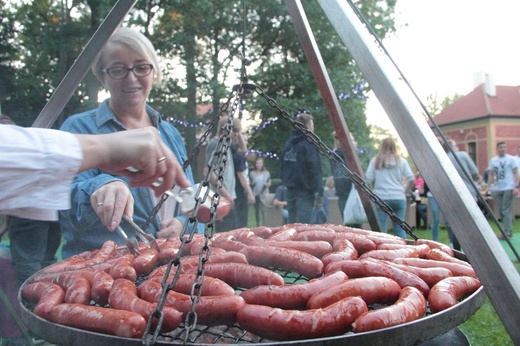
(331, 102)
(492, 265)
(79, 69)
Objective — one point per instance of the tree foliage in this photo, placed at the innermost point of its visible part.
(204, 45)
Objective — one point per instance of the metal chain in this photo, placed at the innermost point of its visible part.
(326, 151)
(217, 165)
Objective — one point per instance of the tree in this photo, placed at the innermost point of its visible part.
(203, 43)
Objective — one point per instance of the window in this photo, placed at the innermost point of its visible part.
(472, 151)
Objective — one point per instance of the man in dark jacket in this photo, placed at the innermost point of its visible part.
(301, 174)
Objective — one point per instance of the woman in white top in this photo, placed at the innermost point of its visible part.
(386, 173)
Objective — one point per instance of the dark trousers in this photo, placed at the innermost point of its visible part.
(421, 214)
(33, 245)
(300, 204)
(242, 210)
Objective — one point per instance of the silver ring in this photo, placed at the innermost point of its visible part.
(100, 204)
(162, 159)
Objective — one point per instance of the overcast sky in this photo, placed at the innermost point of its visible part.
(441, 44)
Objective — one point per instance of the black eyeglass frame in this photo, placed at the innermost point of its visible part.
(128, 69)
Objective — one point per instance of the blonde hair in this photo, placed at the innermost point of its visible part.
(133, 40)
(387, 155)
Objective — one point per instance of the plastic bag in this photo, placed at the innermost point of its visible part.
(354, 213)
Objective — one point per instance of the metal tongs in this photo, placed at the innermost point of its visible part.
(131, 242)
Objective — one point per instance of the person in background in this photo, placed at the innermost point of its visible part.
(421, 209)
(301, 173)
(342, 183)
(386, 173)
(434, 208)
(330, 188)
(504, 182)
(245, 196)
(468, 166)
(280, 201)
(228, 189)
(260, 182)
(127, 66)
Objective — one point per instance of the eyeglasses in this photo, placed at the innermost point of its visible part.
(142, 70)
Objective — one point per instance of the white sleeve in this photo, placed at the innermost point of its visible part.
(36, 169)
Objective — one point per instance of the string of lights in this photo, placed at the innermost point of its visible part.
(356, 92)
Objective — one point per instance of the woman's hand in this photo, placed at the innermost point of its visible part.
(111, 201)
(170, 228)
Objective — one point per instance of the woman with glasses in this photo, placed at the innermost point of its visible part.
(127, 67)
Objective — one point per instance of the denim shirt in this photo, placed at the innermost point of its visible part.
(81, 227)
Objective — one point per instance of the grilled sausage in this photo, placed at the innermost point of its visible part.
(455, 268)
(124, 297)
(123, 268)
(449, 291)
(145, 261)
(210, 286)
(288, 259)
(371, 289)
(430, 275)
(278, 324)
(45, 295)
(435, 245)
(410, 306)
(291, 297)
(210, 310)
(241, 275)
(407, 252)
(438, 255)
(373, 267)
(343, 250)
(97, 319)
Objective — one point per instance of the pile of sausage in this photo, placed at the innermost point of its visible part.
(358, 281)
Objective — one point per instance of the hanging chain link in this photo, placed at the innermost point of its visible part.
(217, 166)
(326, 151)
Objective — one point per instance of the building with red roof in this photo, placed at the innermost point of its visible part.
(478, 120)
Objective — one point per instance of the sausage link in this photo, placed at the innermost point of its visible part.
(343, 250)
(288, 259)
(145, 261)
(408, 252)
(371, 289)
(210, 286)
(211, 310)
(45, 295)
(124, 297)
(435, 245)
(97, 319)
(423, 249)
(277, 324)
(430, 275)
(241, 275)
(410, 306)
(455, 268)
(284, 235)
(291, 297)
(317, 248)
(123, 268)
(438, 255)
(373, 267)
(100, 282)
(449, 291)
